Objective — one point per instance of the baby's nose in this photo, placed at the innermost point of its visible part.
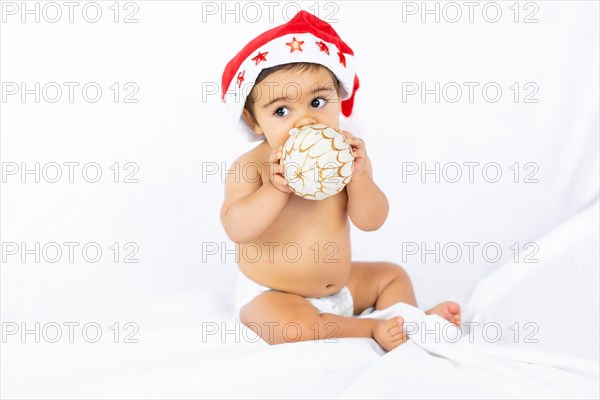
(307, 118)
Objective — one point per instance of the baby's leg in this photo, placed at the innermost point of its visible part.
(382, 284)
(379, 285)
(279, 317)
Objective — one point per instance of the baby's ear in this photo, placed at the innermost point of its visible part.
(251, 122)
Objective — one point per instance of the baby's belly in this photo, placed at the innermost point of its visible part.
(314, 265)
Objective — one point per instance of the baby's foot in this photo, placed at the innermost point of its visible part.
(389, 333)
(448, 310)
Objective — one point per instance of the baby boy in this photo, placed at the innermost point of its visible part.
(295, 262)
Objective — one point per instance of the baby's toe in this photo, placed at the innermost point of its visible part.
(396, 324)
(453, 307)
(453, 312)
(400, 338)
(395, 331)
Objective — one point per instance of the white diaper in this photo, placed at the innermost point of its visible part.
(340, 303)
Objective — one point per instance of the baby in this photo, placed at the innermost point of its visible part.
(298, 281)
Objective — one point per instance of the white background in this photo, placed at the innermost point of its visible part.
(176, 53)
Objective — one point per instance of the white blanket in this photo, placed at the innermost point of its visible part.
(179, 356)
(534, 332)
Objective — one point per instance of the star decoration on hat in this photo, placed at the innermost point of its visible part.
(240, 78)
(295, 45)
(342, 58)
(323, 47)
(260, 57)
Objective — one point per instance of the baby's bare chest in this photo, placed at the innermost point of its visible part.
(305, 219)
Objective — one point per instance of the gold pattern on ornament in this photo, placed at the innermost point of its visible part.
(325, 161)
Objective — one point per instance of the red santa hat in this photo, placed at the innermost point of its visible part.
(305, 38)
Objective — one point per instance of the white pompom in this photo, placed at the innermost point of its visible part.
(318, 161)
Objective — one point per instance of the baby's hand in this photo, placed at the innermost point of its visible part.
(360, 153)
(276, 171)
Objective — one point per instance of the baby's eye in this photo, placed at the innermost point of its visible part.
(281, 111)
(318, 102)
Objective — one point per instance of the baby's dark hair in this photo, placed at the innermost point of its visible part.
(300, 66)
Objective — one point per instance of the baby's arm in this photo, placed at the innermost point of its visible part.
(367, 204)
(250, 206)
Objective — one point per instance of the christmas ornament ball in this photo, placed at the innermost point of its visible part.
(317, 160)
